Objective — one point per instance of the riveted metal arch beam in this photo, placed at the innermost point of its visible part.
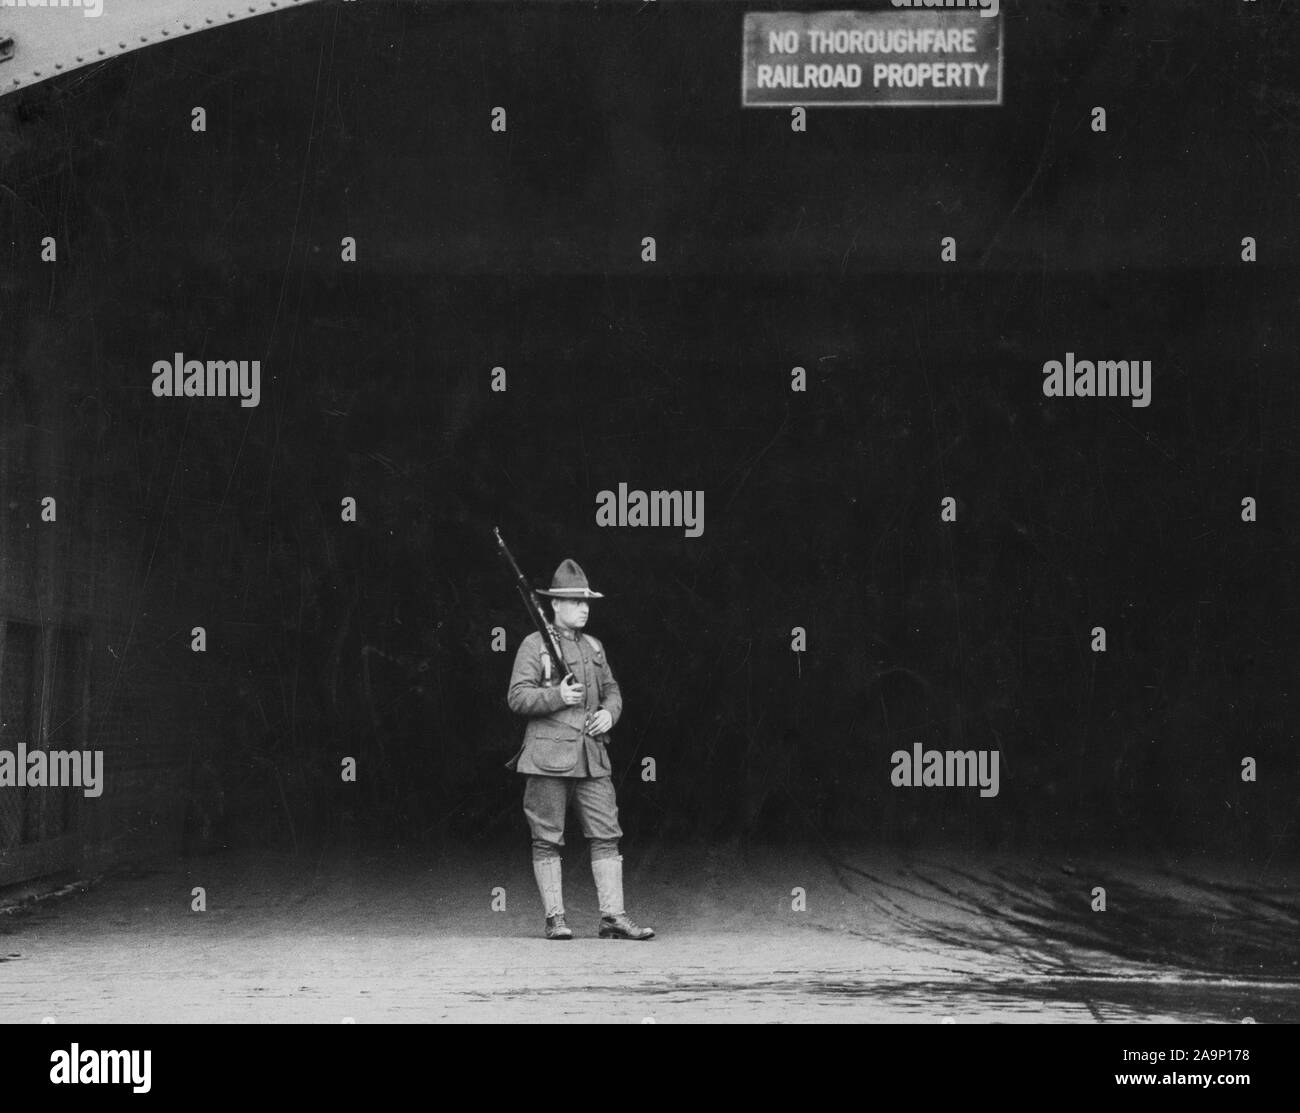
(41, 39)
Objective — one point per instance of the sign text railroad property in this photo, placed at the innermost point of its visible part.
(872, 58)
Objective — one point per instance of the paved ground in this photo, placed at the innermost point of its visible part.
(922, 937)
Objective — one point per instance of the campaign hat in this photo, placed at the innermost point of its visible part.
(570, 582)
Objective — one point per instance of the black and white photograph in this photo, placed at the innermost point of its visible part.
(650, 512)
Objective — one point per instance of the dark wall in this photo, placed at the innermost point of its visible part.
(822, 508)
(95, 638)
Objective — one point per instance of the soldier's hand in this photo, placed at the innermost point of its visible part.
(571, 692)
(600, 722)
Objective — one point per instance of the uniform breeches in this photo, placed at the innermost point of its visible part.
(546, 801)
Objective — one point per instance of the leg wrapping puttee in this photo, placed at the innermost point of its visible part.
(547, 873)
(608, 873)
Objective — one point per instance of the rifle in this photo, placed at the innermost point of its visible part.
(534, 607)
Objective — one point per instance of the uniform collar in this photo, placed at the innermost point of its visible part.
(567, 635)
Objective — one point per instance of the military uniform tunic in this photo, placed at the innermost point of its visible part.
(565, 765)
(554, 742)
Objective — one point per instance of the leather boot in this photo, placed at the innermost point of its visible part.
(614, 922)
(547, 871)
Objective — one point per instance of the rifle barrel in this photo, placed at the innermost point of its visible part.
(534, 608)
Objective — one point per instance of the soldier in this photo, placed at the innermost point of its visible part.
(563, 755)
